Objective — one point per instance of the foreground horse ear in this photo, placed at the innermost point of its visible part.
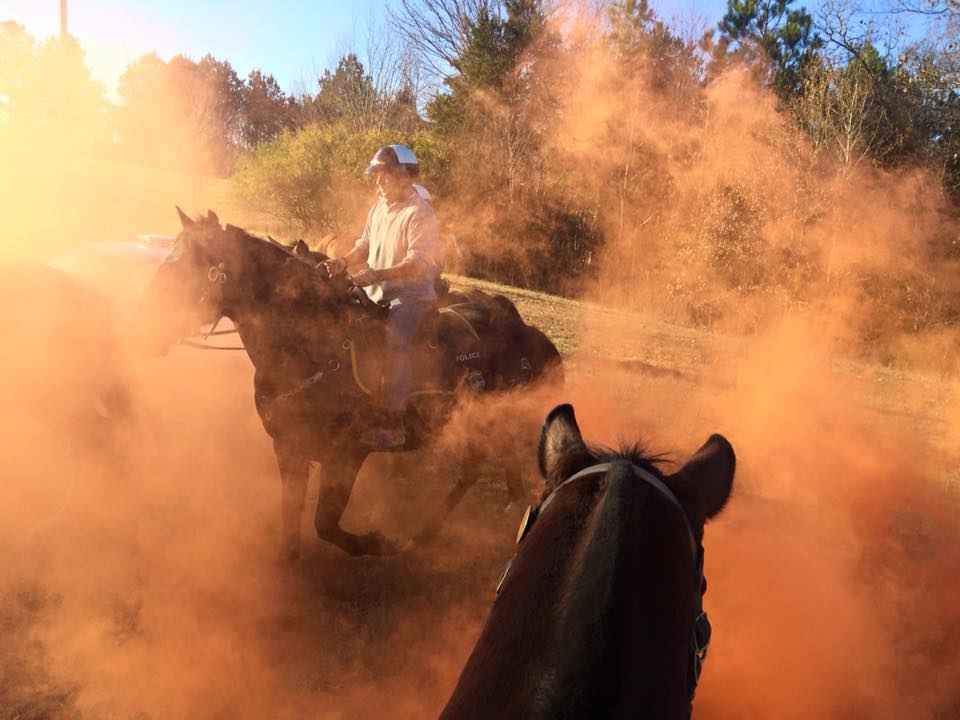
(301, 249)
(212, 218)
(561, 444)
(709, 475)
(185, 220)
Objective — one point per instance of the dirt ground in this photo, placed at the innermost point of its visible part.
(138, 561)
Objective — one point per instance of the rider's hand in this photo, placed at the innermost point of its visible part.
(335, 266)
(367, 276)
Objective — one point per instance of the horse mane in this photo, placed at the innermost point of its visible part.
(287, 247)
(292, 263)
(290, 249)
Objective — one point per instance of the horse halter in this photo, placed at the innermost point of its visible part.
(700, 630)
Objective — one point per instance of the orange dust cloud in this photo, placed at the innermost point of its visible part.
(140, 499)
(749, 284)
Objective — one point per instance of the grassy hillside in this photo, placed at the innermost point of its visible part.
(597, 341)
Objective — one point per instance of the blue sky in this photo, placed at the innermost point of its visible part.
(293, 40)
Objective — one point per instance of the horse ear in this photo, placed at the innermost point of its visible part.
(561, 444)
(301, 249)
(184, 218)
(212, 218)
(708, 475)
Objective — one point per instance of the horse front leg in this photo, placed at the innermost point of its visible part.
(470, 465)
(338, 475)
(294, 472)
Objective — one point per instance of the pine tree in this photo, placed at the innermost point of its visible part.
(772, 29)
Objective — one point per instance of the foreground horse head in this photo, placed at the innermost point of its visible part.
(599, 614)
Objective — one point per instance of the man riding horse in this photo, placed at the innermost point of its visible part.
(404, 256)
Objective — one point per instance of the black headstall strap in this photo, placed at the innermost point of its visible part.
(700, 630)
(216, 275)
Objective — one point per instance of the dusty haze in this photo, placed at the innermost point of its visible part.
(137, 552)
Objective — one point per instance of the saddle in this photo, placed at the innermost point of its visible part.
(447, 351)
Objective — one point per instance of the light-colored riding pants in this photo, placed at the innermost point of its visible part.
(402, 324)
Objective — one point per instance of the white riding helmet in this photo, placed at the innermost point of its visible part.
(393, 157)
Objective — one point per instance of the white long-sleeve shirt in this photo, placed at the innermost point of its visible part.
(399, 231)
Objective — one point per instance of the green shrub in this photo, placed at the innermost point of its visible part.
(311, 180)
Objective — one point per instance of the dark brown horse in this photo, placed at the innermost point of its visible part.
(599, 614)
(316, 345)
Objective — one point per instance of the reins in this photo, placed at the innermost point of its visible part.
(332, 366)
(217, 275)
(201, 344)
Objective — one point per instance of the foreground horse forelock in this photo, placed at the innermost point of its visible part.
(317, 348)
(599, 613)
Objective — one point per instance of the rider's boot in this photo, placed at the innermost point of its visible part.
(388, 434)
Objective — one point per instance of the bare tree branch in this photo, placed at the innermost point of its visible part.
(438, 30)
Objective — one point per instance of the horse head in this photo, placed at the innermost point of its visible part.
(702, 485)
(190, 288)
(599, 613)
(215, 271)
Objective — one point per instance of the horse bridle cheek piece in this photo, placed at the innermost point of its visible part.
(700, 632)
(216, 275)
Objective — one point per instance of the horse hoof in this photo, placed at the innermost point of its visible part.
(375, 543)
(372, 543)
